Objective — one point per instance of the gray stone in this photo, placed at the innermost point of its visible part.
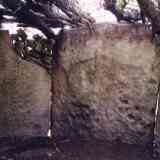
(24, 94)
(105, 86)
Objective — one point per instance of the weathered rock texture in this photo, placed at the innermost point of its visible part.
(105, 87)
(24, 94)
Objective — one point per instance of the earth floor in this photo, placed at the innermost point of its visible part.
(83, 150)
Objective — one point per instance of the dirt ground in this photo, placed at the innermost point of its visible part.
(83, 150)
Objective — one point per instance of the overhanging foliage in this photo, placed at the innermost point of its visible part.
(44, 14)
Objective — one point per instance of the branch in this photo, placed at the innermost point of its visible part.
(152, 13)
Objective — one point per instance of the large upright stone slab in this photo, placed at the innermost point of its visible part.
(105, 87)
(24, 94)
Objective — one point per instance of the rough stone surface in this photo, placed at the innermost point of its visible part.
(105, 87)
(24, 94)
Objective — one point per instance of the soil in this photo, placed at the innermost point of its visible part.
(77, 150)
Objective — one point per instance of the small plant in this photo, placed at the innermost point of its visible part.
(37, 50)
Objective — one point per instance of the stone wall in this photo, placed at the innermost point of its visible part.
(24, 94)
(105, 87)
